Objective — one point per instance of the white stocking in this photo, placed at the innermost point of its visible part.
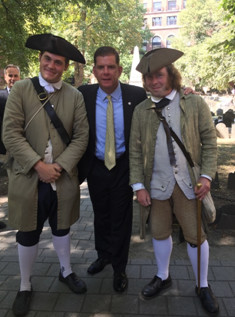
(62, 248)
(27, 256)
(192, 253)
(162, 251)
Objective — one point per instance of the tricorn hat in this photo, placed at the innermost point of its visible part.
(55, 45)
(157, 58)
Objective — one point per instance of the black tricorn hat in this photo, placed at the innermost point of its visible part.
(157, 58)
(55, 45)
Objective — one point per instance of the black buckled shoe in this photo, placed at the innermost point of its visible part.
(2, 225)
(98, 265)
(208, 299)
(74, 283)
(155, 287)
(120, 282)
(21, 303)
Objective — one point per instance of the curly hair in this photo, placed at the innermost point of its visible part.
(174, 77)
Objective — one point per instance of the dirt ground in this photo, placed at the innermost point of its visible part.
(224, 197)
(226, 165)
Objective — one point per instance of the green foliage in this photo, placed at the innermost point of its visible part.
(117, 24)
(200, 19)
(18, 20)
(207, 62)
(229, 7)
(87, 24)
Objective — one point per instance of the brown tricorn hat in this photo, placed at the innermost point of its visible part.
(157, 58)
(55, 45)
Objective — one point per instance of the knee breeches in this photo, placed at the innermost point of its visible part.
(185, 210)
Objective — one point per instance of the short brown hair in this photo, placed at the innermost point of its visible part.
(65, 58)
(106, 51)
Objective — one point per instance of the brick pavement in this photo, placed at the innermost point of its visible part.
(53, 299)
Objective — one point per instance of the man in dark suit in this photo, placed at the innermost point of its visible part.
(3, 100)
(109, 188)
(11, 75)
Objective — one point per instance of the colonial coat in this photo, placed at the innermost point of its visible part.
(26, 147)
(197, 132)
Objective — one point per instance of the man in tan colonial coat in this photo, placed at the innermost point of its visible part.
(159, 172)
(42, 169)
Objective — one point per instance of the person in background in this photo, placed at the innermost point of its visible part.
(43, 176)
(11, 75)
(159, 173)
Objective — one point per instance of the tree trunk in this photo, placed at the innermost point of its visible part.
(78, 74)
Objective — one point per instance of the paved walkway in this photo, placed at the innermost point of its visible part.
(53, 299)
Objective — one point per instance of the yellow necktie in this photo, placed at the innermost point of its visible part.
(110, 152)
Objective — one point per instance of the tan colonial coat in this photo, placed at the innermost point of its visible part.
(27, 147)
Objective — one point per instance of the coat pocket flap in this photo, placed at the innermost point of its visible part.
(160, 184)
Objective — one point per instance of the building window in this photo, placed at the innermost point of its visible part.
(156, 21)
(144, 46)
(145, 23)
(157, 6)
(184, 4)
(156, 42)
(172, 20)
(145, 5)
(169, 40)
(171, 5)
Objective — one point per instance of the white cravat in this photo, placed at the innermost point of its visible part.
(50, 88)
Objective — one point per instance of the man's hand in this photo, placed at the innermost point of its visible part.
(48, 173)
(189, 90)
(143, 197)
(204, 189)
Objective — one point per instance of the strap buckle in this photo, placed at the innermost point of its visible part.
(42, 96)
(159, 114)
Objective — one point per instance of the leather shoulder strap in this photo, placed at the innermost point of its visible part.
(50, 111)
(182, 147)
(176, 138)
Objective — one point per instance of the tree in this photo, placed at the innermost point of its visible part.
(87, 24)
(229, 7)
(18, 20)
(206, 62)
(117, 23)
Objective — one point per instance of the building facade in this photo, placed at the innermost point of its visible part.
(161, 17)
